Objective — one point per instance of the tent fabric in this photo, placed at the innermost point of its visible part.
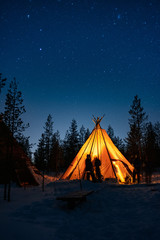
(14, 163)
(113, 163)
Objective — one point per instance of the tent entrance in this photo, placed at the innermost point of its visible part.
(121, 172)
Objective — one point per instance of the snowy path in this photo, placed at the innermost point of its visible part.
(116, 212)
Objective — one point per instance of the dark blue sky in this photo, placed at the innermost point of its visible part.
(76, 58)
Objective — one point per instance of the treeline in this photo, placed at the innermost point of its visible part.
(54, 154)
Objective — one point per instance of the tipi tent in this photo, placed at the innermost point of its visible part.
(99, 144)
(14, 163)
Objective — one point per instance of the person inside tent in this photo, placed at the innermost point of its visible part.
(98, 171)
(89, 168)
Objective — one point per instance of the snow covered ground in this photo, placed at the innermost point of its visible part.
(113, 211)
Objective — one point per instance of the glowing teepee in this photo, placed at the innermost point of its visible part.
(99, 144)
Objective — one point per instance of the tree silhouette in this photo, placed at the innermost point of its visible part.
(24, 142)
(40, 154)
(56, 159)
(110, 132)
(136, 123)
(2, 82)
(157, 132)
(87, 134)
(14, 109)
(48, 134)
(150, 149)
(82, 133)
(71, 143)
(118, 142)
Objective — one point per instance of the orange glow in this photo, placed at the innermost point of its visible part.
(99, 145)
(119, 173)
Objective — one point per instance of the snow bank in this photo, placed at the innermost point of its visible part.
(112, 212)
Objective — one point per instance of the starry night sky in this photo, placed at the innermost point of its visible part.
(75, 59)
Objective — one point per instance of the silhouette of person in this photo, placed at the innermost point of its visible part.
(89, 168)
(98, 171)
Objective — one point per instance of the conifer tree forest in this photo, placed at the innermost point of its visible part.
(53, 154)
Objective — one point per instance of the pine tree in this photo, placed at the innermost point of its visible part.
(2, 82)
(14, 109)
(66, 149)
(40, 157)
(73, 139)
(110, 132)
(82, 134)
(40, 154)
(56, 160)
(87, 134)
(118, 142)
(150, 143)
(71, 143)
(136, 123)
(157, 132)
(157, 140)
(24, 142)
(48, 133)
